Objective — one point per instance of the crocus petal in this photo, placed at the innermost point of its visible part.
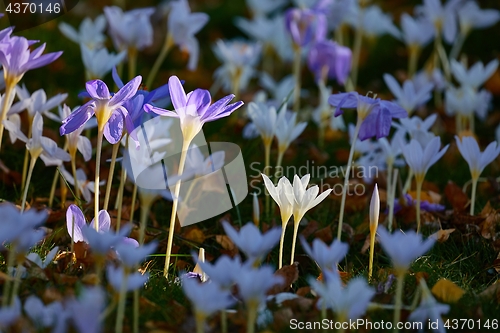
(104, 221)
(126, 92)
(84, 146)
(177, 93)
(199, 99)
(75, 214)
(97, 89)
(113, 129)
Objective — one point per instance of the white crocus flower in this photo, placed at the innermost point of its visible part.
(287, 130)
(476, 76)
(420, 159)
(476, 159)
(304, 200)
(99, 62)
(36, 102)
(264, 118)
(283, 195)
(89, 33)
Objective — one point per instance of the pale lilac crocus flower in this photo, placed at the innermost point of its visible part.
(420, 158)
(476, 159)
(328, 60)
(326, 256)
(407, 96)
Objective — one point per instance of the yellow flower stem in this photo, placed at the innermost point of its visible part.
(296, 73)
(358, 40)
(100, 134)
(282, 241)
(400, 276)
(200, 321)
(64, 192)
(28, 180)
(419, 180)
(8, 98)
(53, 188)
(251, 316)
(17, 283)
(75, 180)
(7, 283)
(182, 162)
(296, 224)
(391, 199)
(26, 153)
(223, 321)
(279, 161)
(407, 186)
(114, 154)
(267, 156)
(132, 62)
(346, 179)
(473, 195)
(119, 199)
(120, 312)
(236, 83)
(132, 204)
(414, 51)
(167, 45)
(373, 233)
(136, 311)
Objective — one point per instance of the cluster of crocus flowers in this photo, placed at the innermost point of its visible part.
(294, 200)
(193, 110)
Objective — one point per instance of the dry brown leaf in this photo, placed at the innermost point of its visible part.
(492, 291)
(456, 197)
(324, 234)
(194, 234)
(447, 291)
(496, 263)
(310, 228)
(290, 274)
(442, 235)
(227, 245)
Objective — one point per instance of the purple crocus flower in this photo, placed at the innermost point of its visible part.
(108, 109)
(16, 57)
(327, 59)
(305, 25)
(376, 115)
(424, 205)
(195, 108)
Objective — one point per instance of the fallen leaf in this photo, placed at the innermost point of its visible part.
(447, 291)
(324, 234)
(456, 197)
(310, 228)
(442, 235)
(290, 274)
(227, 245)
(492, 291)
(194, 234)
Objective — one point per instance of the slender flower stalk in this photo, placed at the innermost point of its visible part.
(114, 154)
(374, 215)
(167, 45)
(193, 110)
(283, 195)
(256, 210)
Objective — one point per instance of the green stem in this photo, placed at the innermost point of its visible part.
(28, 180)
(185, 146)
(417, 208)
(169, 42)
(25, 168)
(346, 180)
(114, 154)
(407, 186)
(473, 196)
(399, 300)
(296, 73)
(121, 304)
(457, 45)
(100, 134)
